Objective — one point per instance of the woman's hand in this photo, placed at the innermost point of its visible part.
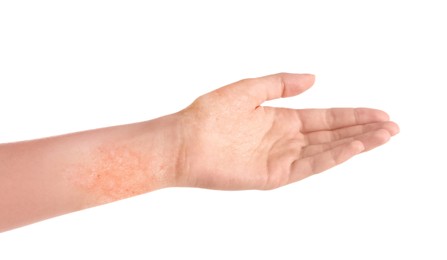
(231, 142)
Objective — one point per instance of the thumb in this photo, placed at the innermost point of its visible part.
(273, 86)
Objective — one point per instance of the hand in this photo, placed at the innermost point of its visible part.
(231, 142)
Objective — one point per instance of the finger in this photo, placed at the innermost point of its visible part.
(281, 85)
(370, 141)
(334, 118)
(328, 136)
(303, 168)
(270, 87)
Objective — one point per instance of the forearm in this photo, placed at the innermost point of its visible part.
(48, 177)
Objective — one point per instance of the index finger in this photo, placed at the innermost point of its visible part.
(334, 118)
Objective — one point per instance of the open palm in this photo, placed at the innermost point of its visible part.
(232, 142)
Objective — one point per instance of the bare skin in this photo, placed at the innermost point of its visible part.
(224, 140)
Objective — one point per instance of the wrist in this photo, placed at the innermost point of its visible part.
(162, 143)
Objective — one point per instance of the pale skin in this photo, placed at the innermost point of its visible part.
(224, 140)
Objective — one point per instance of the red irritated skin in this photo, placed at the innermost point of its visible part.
(224, 140)
(116, 169)
(115, 172)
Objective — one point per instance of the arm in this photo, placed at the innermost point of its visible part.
(224, 140)
(48, 177)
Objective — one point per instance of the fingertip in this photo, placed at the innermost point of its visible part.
(309, 78)
(397, 128)
(392, 128)
(370, 115)
(382, 136)
(381, 115)
(295, 84)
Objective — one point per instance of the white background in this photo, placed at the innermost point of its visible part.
(67, 66)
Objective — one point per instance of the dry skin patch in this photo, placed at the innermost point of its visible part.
(113, 173)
